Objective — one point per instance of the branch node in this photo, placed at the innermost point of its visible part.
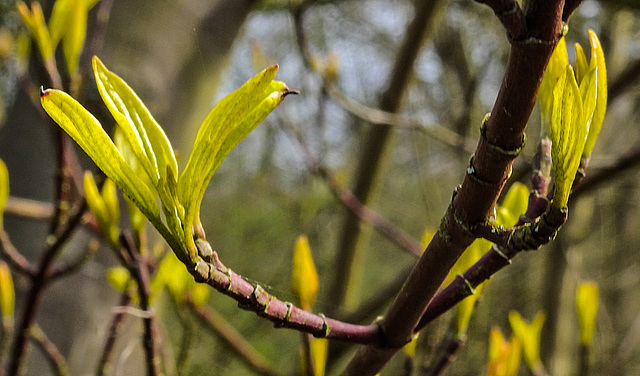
(506, 152)
(262, 299)
(324, 332)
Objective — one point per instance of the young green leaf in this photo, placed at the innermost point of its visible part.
(319, 352)
(504, 356)
(88, 133)
(107, 222)
(587, 308)
(146, 138)
(568, 134)
(513, 206)
(4, 189)
(597, 61)
(588, 93)
(556, 67)
(529, 336)
(304, 278)
(582, 65)
(7, 292)
(230, 121)
(34, 20)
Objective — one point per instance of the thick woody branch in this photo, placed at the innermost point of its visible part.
(489, 170)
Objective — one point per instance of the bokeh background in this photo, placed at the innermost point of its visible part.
(183, 56)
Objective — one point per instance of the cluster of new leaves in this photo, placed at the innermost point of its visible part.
(142, 163)
(68, 23)
(572, 105)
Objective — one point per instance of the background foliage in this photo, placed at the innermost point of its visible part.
(183, 56)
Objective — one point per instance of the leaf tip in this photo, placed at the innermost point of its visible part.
(44, 93)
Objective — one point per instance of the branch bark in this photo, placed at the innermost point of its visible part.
(486, 175)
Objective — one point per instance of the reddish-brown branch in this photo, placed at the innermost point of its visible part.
(282, 314)
(488, 171)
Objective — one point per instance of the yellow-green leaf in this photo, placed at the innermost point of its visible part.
(231, 120)
(85, 129)
(107, 222)
(582, 65)
(146, 138)
(319, 352)
(118, 277)
(304, 278)
(34, 20)
(597, 61)
(588, 93)
(7, 292)
(464, 310)
(4, 189)
(587, 308)
(504, 356)
(529, 335)
(568, 134)
(513, 206)
(556, 67)
(410, 348)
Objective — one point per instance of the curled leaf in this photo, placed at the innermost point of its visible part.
(597, 61)
(568, 134)
(144, 135)
(556, 67)
(304, 278)
(587, 309)
(7, 292)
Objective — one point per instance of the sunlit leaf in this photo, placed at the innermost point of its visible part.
(231, 120)
(304, 278)
(597, 61)
(582, 65)
(4, 189)
(85, 129)
(556, 67)
(587, 309)
(146, 138)
(568, 134)
(588, 92)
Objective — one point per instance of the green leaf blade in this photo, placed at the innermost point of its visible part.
(568, 135)
(230, 121)
(148, 141)
(597, 61)
(85, 129)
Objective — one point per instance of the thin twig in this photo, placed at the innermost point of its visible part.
(217, 325)
(139, 270)
(351, 202)
(35, 293)
(17, 261)
(26, 208)
(75, 265)
(117, 322)
(53, 355)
